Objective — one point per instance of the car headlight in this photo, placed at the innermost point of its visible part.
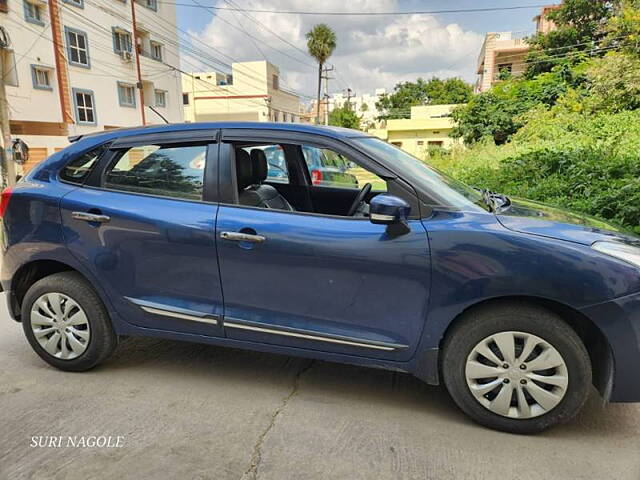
(623, 251)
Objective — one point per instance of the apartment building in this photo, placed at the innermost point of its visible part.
(252, 92)
(428, 127)
(77, 66)
(506, 52)
(364, 105)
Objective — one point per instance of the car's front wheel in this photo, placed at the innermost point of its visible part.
(516, 367)
(66, 322)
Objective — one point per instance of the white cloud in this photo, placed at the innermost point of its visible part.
(372, 51)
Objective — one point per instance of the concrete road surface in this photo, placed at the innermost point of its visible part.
(186, 411)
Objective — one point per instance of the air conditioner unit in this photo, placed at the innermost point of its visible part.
(126, 56)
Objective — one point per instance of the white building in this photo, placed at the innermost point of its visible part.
(72, 68)
(252, 92)
(364, 105)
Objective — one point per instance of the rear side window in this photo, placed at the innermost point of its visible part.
(167, 171)
(78, 169)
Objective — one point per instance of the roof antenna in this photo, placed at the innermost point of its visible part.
(158, 113)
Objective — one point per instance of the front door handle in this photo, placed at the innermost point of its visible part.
(90, 217)
(242, 237)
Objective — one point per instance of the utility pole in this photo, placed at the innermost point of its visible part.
(326, 78)
(6, 150)
(350, 93)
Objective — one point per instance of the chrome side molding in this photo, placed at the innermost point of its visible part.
(167, 311)
(306, 335)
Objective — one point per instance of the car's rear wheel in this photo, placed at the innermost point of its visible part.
(66, 323)
(516, 367)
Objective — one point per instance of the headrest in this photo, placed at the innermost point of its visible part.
(244, 172)
(259, 165)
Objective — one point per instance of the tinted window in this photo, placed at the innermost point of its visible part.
(167, 171)
(276, 163)
(78, 169)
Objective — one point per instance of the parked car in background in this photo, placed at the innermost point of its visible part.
(516, 307)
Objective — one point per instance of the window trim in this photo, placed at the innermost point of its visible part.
(34, 77)
(115, 31)
(29, 18)
(153, 43)
(155, 98)
(74, 92)
(67, 31)
(75, 3)
(121, 101)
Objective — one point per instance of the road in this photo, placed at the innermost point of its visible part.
(198, 412)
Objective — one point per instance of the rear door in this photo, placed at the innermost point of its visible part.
(144, 227)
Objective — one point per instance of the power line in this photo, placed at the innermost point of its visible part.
(364, 13)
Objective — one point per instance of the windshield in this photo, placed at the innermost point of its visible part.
(442, 189)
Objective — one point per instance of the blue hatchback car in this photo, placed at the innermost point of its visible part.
(176, 232)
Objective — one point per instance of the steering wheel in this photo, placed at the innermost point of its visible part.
(359, 199)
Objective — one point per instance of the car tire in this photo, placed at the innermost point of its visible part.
(66, 322)
(533, 399)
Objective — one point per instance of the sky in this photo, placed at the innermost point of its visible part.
(372, 51)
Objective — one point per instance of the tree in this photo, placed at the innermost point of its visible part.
(580, 28)
(321, 42)
(344, 117)
(614, 83)
(433, 92)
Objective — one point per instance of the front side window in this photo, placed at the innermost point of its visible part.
(176, 172)
(161, 98)
(121, 41)
(77, 48)
(185, 99)
(126, 95)
(85, 108)
(78, 169)
(444, 190)
(277, 170)
(41, 77)
(33, 13)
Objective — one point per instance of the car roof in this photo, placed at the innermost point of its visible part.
(327, 131)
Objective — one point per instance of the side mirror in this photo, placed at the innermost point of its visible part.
(388, 210)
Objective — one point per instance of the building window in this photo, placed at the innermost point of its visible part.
(76, 3)
(397, 144)
(41, 77)
(77, 47)
(150, 4)
(126, 95)
(121, 40)
(85, 107)
(161, 98)
(185, 99)
(276, 82)
(420, 143)
(156, 51)
(33, 13)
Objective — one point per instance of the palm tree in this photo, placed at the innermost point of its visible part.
(321, 42)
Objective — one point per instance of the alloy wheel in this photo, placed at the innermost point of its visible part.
(516, 375)
(60, 326)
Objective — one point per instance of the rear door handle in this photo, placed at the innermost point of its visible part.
(90, 217)
(242, 237)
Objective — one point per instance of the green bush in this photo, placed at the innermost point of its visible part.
(583, 162)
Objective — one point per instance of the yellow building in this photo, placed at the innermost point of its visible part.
(428, 127)
(251, 93)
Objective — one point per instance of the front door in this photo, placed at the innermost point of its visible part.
(145, 231)
(323, 282)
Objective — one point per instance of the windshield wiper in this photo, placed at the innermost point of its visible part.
(497, 202)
